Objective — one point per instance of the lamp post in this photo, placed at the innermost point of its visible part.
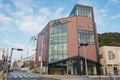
(34, 39)
(84, 45)
(79, 62)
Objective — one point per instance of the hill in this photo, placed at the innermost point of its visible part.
(109, 39)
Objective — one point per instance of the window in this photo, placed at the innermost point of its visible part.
(80, 24)
(86, 36)
(58, 43)
(111, 55)
(101, 56)
(82, 11)
(89, 25)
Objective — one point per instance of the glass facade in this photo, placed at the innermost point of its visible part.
(86, 36)
(81, 11)
(73, 13)
(58, 42)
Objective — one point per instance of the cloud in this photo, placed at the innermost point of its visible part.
(27, 16)
(23, 6)
(116, 17)
(11, 43)
(87, 2)
(113, 2)
(31, 24)
(103, 11)
(5, 19)
(6, 22)
(45, 11)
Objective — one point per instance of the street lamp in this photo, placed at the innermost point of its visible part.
(84, 45)
(79, 62)
(34, 39)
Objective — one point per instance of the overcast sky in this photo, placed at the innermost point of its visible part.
(21, 19)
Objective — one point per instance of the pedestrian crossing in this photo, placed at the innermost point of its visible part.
(25, 76)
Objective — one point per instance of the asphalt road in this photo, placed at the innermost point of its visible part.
(17, 75)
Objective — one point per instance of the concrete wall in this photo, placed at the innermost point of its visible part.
(107, 65)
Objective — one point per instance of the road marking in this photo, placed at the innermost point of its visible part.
(15, 76)
(35, 76)
(21, 76)
(25, 76)
(30, 76)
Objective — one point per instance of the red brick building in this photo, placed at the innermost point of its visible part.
(69, 44)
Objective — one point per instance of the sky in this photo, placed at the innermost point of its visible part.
(22, 19)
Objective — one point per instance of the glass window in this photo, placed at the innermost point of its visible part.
(86, 36)
(64, 29)
(89, 25)
(58, 42)
(51, 31)
(111, 55)
(80, 24)
(82, 11)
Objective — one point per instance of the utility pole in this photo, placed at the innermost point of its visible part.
(33, 38)
(9, 61)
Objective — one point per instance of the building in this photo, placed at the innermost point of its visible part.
(110, 60)
(1, 54)
(16, 65)
(29, 61)
(68, 44)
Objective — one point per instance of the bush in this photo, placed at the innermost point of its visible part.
(36, 71)
(31, 67)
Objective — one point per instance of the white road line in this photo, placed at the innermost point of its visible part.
(30, 76)
(21, 76)
(35, 76)
(25, 76)
(15, 76)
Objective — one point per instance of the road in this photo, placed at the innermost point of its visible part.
(17, 75)
(92, 78)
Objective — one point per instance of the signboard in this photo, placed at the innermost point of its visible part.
(58, 22)
(65, 20)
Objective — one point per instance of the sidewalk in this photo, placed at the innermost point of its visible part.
(73, 76)
(59, 76)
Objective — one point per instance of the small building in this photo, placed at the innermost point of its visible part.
(110, 60)
(29, 61)
(16, 65)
